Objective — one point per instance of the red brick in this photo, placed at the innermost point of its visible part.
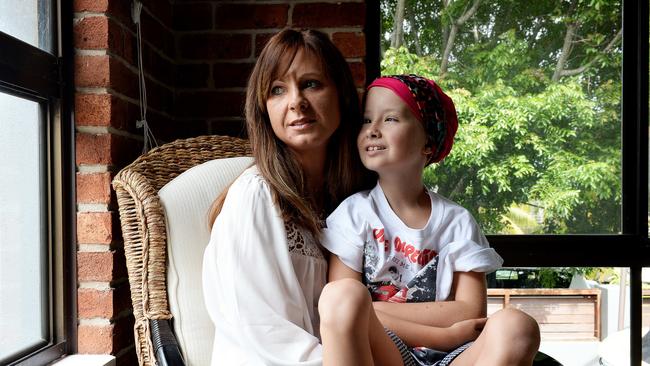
(124, 150)
(95, 339)
(96, 266)
(160, 98)
(93, 303)
(105, 110)
(92, 109)
(129, 50)
(358, 73)
(122, 79)
(260, 42)
(227, 75)
(315, 15)
(209, 104)
(350, 44)
(117, 37)
(101, 266)
(157, 35)
(167, 129)
(235, 128)
(94, 188)
(106, 149)
(107, 304)
(91, 33)
(91, 71)
(161, 9)
(215, 46)
(121, 10)
(192, 75)
(90, 5)
(251, 16)
(195, 16)
(159, 67)
(94, 227)
(93, 149)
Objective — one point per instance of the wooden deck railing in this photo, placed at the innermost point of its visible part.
(562, 314)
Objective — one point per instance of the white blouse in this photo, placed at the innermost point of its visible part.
(262, 279)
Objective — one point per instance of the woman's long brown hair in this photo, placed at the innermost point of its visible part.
(276, 163)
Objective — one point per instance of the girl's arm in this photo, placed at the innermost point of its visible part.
(339, 270)
(439, 338)
(468, 300)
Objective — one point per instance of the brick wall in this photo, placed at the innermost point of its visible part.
(197, 56)
(218, 42)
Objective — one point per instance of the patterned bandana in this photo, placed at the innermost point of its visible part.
(430, 105)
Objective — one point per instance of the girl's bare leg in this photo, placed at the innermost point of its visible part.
(350, 331)
(510, 338)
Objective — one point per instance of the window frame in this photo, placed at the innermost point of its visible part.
(37, 75)
(542, 250)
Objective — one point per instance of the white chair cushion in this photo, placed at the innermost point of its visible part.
(186, 201)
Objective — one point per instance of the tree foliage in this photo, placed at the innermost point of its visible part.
(537, 88)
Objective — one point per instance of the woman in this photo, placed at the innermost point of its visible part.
(263, 270)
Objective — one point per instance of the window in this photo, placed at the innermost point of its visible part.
(36, 184)
(552, 159)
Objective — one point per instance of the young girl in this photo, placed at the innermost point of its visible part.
(412, 247)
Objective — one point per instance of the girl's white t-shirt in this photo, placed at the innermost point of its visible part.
(400, 263)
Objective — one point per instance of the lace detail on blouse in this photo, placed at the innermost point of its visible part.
(301, 242)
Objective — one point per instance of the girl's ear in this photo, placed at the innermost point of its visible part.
(428, 147)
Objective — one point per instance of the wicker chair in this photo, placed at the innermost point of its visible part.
(143, 227)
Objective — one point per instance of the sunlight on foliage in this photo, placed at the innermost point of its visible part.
(538, 127)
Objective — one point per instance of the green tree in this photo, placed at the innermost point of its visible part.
(537, 89)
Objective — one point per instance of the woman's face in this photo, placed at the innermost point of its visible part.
(303, 106)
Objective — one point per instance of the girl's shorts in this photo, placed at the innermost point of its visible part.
(421, 356)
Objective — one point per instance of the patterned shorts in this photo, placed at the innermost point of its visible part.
(421, 356)
(407, 358)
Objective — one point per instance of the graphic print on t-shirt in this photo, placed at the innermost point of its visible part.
(386, 283)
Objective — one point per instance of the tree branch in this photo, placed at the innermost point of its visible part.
(416, 38)
(398, 25)
(566, 51)
(469, 13)
(605, 50)
(452, 35)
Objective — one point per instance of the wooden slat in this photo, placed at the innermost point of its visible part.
(542, 292)
(561, 318)
(586, 336)
(563, 314)
(567, 328)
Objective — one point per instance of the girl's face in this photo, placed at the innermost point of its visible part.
(303, 106)
(391, 140)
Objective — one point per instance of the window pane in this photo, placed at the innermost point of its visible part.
(23, 244)
(28, 20)
(538, 94)
(583, 313)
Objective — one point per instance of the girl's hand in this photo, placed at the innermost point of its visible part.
(467, 330)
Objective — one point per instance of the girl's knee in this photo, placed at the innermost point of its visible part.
(343, 304)
(517, 327)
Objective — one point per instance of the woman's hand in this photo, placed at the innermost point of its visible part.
(466, 330)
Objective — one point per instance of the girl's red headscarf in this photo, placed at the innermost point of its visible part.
(430, 105)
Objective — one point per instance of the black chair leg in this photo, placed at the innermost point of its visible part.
(165, 344)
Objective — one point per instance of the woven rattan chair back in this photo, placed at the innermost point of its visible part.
(143, 223)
